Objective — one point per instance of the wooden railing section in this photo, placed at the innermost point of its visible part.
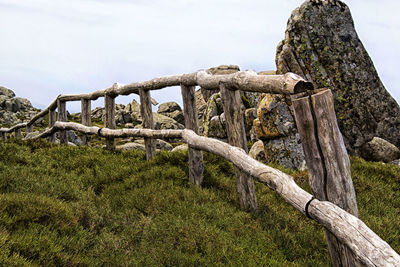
(351, 242)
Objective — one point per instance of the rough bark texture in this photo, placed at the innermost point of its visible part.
(234, 117)
(17, 133)
(321, 45)
(327, 161)
(109, 104)
(62, 116)
(52, 120)
(196, 167)
(86, 119)
(147, 115)
(29, 128)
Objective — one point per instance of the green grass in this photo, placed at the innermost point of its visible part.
(69, 206)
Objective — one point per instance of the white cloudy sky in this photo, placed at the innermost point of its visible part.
(49, 47)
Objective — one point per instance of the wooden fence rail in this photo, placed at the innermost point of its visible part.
(351, 242)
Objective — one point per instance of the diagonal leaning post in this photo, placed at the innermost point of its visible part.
(327, 161)
(234, 117)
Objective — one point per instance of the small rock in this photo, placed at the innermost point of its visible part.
(72, 137)
(131, 146)
(163, 145)
(168, 107)
(129, 125)
(160, 144)
(180, 148)
(379, 149)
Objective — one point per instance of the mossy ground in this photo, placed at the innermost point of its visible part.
(71, 206)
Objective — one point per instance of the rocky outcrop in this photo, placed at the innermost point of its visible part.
(14, 109)
(379, 149)
(321, 45)
(275, 126)
(172, 110)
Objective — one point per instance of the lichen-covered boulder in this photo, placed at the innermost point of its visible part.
(217, 127)
(162, 122)
(321, 45)
(274, 118)
(213, 108)
(275, 126)
(250, 115)
(172, 110)
(286, 151)
(14, 110)
(379, 149)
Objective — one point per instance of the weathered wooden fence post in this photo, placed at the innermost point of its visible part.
(29, 128)
(196, 166)
(234, 116)
(327, 161)
(62, 116)
(86, 119)
(4, 136)
(52, 121)
(147, 117)
(109, 103)
(17, 133)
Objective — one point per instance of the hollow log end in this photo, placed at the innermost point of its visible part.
(303, 86)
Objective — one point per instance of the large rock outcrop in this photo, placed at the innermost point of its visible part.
(14, 109)
(321, 45)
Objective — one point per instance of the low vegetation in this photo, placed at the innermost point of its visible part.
(69, 206)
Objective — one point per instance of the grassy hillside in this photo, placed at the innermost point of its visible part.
(68, 206)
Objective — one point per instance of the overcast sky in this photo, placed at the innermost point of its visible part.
(52, 47)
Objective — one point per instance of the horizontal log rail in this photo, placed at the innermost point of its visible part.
(250, 81)
(367, 246)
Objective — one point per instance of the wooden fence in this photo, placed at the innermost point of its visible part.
(351, 242)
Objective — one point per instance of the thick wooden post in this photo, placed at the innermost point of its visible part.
(327, 161)
(17, 133)
(196, 166)
(29, 128)
(109, 103)
(234, 116)
(147, 116)
(4, 136)
(52, 120)
(62, 116)
(86, 119)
